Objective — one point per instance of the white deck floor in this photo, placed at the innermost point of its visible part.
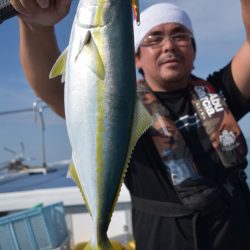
(77, 217)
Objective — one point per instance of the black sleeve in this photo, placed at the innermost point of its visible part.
(223, 81)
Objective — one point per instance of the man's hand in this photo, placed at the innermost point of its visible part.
(41, 12)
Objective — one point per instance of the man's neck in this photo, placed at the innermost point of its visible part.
(168, 86)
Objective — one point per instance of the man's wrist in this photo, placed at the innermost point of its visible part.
(36, 28)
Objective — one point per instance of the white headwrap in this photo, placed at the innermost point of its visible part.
(158, 14)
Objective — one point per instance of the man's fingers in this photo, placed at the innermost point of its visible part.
(41, 12)
(25, 6)
(44, 4)
(30, 6)
(18, 7)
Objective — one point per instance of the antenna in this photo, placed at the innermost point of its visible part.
(38, 109)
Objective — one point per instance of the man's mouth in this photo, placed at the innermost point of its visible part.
(169, 60)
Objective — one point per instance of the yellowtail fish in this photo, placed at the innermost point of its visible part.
(103, 118)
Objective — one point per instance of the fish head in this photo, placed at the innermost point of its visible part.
(95, 13)
(98, 13)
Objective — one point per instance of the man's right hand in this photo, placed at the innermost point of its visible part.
(41, 12)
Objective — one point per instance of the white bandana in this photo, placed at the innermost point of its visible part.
(158, 14)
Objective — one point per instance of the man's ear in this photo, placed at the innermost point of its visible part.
(137, 60)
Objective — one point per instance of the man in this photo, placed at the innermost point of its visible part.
(186, 174)
(165, 51)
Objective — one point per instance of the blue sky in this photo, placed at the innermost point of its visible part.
(218, 31)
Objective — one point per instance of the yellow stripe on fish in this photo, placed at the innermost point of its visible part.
(100, 118)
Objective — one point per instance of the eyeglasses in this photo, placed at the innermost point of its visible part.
(157, 40)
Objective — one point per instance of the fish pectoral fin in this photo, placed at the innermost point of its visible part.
(141, 122)
(74, 175)
(85, 40)
(91, 55)
(59, 66)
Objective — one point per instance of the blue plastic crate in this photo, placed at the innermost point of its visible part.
(40, 228)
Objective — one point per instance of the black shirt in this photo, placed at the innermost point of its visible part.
(146, 178)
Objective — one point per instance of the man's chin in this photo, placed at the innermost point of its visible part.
(172, 78)
(173, 73)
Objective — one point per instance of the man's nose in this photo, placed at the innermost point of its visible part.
(168, 44)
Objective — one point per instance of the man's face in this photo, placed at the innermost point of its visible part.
(166, 67)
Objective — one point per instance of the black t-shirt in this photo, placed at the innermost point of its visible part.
(146, 178)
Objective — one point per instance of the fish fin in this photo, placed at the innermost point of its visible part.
(85, 40)
(89, 49)
(69, 176)
(59, 66)
(136, 10)
(141, 122)
(75, 177)
(105, 244)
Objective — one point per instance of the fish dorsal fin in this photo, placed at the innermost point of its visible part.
(141, 122)
(89, 50)
(59, 66)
